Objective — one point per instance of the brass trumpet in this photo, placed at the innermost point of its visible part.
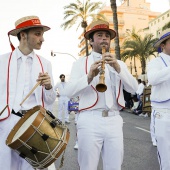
(101, 86)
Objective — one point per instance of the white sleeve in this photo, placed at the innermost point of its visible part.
(156, 73)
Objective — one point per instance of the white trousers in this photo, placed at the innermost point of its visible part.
(9, 159)
(97, 134)
(152, 127)
(63, 107)
(162, 134)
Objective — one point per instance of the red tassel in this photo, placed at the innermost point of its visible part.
(12, 47)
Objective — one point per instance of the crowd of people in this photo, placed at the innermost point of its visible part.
(134, 103)
(22, 68)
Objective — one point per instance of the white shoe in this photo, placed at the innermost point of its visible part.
(154, 143)
(141, 114)
(146, 115)
(76, 146)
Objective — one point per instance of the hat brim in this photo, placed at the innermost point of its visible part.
(158, 43)
(14, 32)
(112, 32)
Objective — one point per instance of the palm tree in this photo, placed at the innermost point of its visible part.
(115, 24)
(82, 13)
(139, 47)
(166, 26)
(131, 54)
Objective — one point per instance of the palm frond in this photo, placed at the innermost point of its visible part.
(137, 46)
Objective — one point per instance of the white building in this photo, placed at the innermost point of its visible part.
(155, 26)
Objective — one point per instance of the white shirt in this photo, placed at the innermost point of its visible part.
(31, 101)
(140, 89)
(158, 74)
(60, 87)
(101, 104)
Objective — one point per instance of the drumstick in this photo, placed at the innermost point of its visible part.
(3, 110)
(38, 83)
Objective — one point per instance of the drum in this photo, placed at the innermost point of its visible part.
(39, 137)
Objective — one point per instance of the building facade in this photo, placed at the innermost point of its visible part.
(156, 25)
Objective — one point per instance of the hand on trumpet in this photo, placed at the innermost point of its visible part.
(94, 70)
(112, 61)
(45, 80)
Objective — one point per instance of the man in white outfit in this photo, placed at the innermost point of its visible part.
(158, 72)
(99, 125)
(20, 71)
(62, 99)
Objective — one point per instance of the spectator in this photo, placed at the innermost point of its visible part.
(135, 103)
(128, 99)
(63, 99)
(139, 91)
(144, 83)
(138, 110)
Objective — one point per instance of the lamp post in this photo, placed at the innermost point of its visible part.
(54, 54)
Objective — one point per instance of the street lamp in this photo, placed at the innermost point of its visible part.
(54, 54)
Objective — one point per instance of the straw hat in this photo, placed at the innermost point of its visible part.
(100, 26)
(25, 23)
(163, 36)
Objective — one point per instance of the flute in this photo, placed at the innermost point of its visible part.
(101, 86)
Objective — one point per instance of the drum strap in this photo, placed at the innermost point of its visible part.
(20, 114)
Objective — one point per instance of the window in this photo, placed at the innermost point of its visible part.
(158, 33)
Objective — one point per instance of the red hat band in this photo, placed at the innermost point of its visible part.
(100, 26)
(29, 23)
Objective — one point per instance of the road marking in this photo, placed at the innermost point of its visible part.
(143, 129)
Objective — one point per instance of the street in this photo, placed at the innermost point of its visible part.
(139, 154)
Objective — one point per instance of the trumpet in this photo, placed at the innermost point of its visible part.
(101, 86)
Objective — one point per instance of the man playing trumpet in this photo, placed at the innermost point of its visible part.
(99, 123)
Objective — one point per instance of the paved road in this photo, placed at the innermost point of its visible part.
(139, 154)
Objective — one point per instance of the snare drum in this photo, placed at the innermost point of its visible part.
(38, 138)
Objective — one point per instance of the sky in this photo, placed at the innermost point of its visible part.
(50, 13)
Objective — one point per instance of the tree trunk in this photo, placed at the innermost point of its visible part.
(143, 64)
(131, 66)
(135, 67)
(115, 23)
(86, 41)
